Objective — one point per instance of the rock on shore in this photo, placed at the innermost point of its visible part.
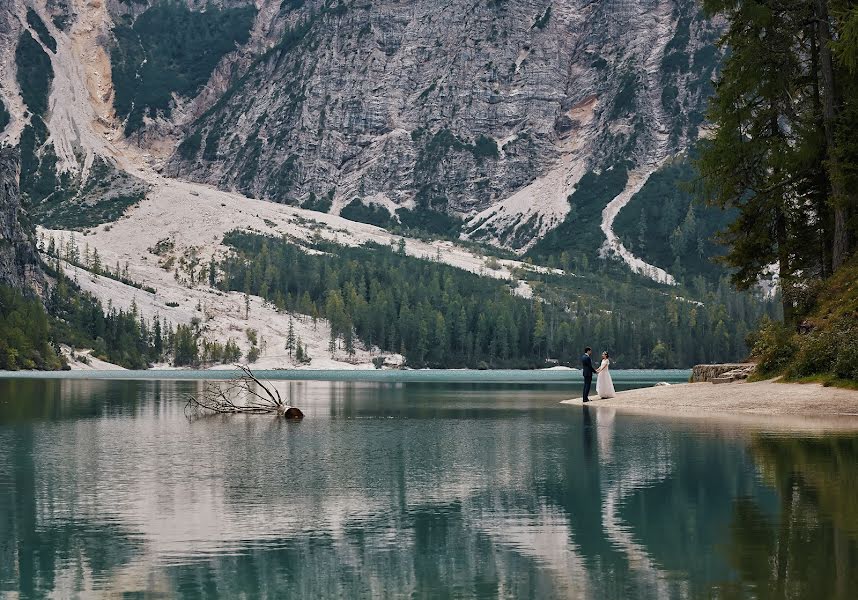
(722, 373)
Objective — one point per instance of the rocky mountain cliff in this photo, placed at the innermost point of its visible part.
(19, 261)
(491, 111)
(476, 117)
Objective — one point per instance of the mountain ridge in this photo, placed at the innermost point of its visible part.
(491, 113)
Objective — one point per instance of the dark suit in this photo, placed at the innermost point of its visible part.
(587, 371)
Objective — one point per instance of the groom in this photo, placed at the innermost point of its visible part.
(587, 371)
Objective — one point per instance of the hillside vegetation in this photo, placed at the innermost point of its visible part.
(170, 49)
(825, 346)
(783, 157)
(440, 316)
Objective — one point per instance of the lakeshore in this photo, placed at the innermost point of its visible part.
(770, 402)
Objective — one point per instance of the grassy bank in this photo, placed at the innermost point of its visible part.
(823, 348)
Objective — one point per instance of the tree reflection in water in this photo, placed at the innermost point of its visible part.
(810, 550)
(414, 490)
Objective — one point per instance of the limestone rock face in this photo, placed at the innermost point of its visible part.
(456, 105)
(487, 110)
(19, 262)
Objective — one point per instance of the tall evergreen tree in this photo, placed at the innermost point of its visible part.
(290, 337)
(778, 155)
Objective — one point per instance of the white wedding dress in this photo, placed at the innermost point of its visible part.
(604, 383)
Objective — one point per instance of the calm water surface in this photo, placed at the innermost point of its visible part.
(411, 489)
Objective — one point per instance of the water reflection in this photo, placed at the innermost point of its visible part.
(809, 546)
(409, 489)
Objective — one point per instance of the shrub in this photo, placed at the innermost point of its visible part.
(485, 147)
(4, 116)
(321, 203)
(846, 362)
(846, 359)
(774, 347)
(542, 20)
(429, 221)
(253, 354)
(371, 214)
(815, 353)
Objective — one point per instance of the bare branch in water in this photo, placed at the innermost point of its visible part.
(245, 394)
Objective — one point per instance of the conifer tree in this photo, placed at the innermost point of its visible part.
(290, 337)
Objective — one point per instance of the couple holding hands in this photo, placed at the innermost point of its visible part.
(604, 383)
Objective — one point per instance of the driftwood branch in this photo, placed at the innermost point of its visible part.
(245, 394)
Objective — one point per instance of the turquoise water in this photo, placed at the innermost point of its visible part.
(628, 377)
(411, 489)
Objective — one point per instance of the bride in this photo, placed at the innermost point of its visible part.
(604, 383)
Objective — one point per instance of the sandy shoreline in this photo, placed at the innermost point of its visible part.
(768, 404)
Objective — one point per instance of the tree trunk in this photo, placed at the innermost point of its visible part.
(785, 271)
(841, 199)
(823, 184)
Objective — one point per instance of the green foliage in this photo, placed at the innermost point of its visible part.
(433, 151)
(4, 116)
(372, 214)
(71, 254)
(825, 345)
(25, 336)
(35, 21)
(59, 204)
(39, 180)
(436, 146)
(301, 354)
(542, 20)
(846, 356)
(321, 203)
(79, 320)
(253, 354)
(123, 337)
(441, 316)
(170, 49)
(626, 98)
(783, 152)
(71, 215)
(35, 73)
(485, 147)
(186, 351)
(664, 225)
(772, 347)
(830, 352)
(425, 93)
(580, 232)
(190, 146)
(287, 5)
(429, 221)
(846, 46)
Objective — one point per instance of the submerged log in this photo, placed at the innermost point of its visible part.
(245, 394)
(293, 413)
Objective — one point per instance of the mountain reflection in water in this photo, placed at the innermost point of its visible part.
(471, 490)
